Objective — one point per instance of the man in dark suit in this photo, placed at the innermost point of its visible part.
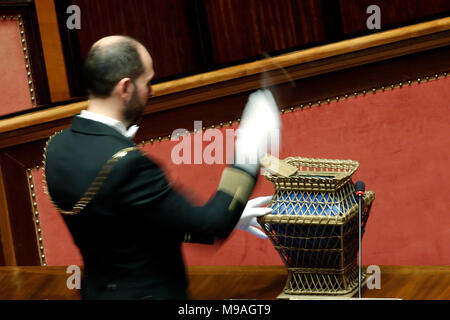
(123, 215)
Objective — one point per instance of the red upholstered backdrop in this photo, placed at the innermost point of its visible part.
(401, 139)
(13, 74)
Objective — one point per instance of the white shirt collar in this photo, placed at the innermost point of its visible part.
(113, 123)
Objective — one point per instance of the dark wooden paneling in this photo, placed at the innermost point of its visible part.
(332, 20)
(71, 50)
(36, 56)
(20, 211)
(244, 29)
(169, 29)
(2, 255)
(164, 27)
(199, 19)
(394, 13)
(193, 36)
(29, 155)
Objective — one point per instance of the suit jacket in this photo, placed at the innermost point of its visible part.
(130, 233)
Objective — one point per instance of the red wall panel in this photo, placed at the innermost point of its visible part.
(13, 74)
(60, 250)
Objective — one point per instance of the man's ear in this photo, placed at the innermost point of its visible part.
(124, 89)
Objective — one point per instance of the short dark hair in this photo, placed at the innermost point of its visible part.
(106, 65)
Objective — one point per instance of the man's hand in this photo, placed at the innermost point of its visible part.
(252, 210)
(259, 131)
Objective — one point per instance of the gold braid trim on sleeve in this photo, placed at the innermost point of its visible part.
(237, 184)
(95, 185)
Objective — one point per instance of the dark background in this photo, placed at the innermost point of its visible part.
(187, 37)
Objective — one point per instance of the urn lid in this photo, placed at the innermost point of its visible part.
(324, 175)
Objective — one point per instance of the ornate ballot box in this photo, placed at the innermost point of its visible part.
(314, 227)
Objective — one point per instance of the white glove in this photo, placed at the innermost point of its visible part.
(253, 210)
(259, 131)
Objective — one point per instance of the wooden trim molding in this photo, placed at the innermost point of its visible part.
(52, 47)
(39, 117)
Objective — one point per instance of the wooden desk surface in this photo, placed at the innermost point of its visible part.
(222, 282)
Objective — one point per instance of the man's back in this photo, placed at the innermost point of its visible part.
(121, 250)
